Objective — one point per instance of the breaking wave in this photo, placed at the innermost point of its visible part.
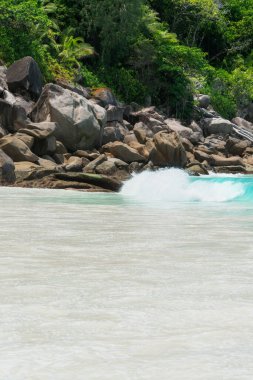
(175, 185)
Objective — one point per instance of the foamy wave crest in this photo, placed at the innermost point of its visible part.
(174, 185)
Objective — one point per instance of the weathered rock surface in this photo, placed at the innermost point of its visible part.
(236, 146)
(39, 130)
(130, 137)
(24, 76)
(12, 117)
(92, 179)
(84, 139)
(7, 169)
(107, 168)
(168, 150)
(123, 152)
(217, 126)
(79, 122)
(28, 140)
(47, 164)
(195, 168)
(77, 88)
(23, 168)
(113, 131)
(140, 148)
(27, 105)
(230, 169)
(74, 164)
(90, 168)
(185, 132)
(114, 113)
(226, 161)
(142, 132)
(16, 149)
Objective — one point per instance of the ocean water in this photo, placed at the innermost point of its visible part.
(154, 283)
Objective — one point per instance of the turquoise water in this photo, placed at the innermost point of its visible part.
(153, 283)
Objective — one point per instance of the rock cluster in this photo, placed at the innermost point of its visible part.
(66, 136)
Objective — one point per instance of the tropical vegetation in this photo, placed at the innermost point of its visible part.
(148, 51)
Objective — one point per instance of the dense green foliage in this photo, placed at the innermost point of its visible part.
(159, 51)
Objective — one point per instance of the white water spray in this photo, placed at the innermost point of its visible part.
(174, 185)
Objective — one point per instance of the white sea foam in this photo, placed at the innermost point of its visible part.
(174, 185)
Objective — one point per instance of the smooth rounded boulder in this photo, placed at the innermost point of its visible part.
(79, 122)
(24, 76)
(217, 126)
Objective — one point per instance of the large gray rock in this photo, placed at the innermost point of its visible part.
(8, 97)
(195, 127)
(80, 90)
(27, 105)
(12, 117)
(24, 76)
(217, 125)
(215, 144)
(17, 149)
(237, 147)
(7, 169)
(79, 122)
(185, 132)
(107, 168)
(114, 113)
(142, 132)
(168, 150)
(113, 131)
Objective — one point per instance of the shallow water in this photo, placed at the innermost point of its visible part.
(138, 285)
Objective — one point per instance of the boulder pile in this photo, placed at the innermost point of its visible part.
(66, 136)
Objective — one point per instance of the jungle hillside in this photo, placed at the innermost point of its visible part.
(159, 52)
